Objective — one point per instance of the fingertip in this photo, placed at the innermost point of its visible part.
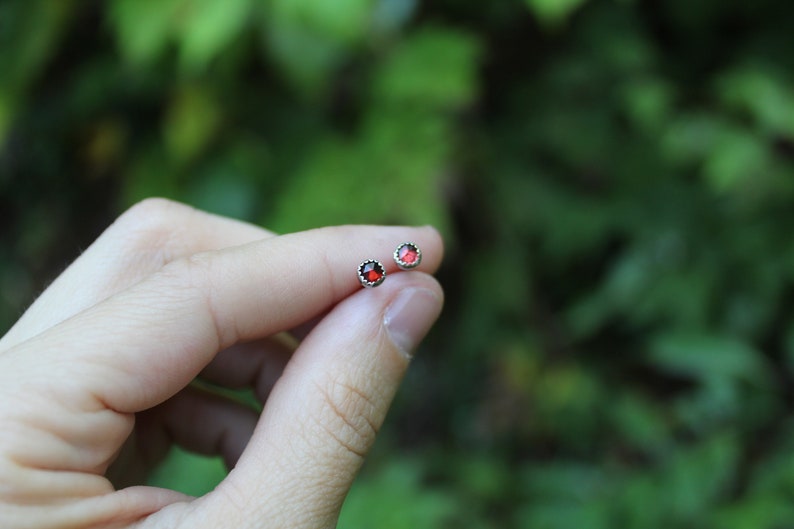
(409, 317)
(433, 253)
(438, 239)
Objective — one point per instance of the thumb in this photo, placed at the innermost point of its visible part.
(324, 413)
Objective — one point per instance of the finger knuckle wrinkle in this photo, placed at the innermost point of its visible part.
(196, 275)
(189, 272)
(348, 415)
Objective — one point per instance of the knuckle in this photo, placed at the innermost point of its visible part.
(192, 274)
(196, 274)
(152, 212)
(151, 224)
(193, 268)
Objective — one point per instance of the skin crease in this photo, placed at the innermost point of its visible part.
(95, 378)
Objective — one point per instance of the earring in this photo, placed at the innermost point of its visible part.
(371, 273)
(407, 256)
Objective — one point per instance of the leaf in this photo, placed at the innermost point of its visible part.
(192, 120)
(30, 33)
(692, 137)
(564, 482)
(552, 13)
(641, 423)
(764, 94)
(149, 175)
(739, 157)
(484, 476)
(29, 36)
(754, 513)
(333, 169)
(395, 498)
(696, 478)
(201, 28)
(704, 356)
(648, 102)
(319, 56)
(434, 68)
(143, 27)
(344, 21)
(223, 192)
(774, 474)
(308, 39)
(208, 27)
(389, 16)
(188, 473)
(592, 515)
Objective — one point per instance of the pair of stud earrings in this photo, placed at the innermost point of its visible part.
(371, 272)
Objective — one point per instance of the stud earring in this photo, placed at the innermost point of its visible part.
(371, 273)
(407, 256)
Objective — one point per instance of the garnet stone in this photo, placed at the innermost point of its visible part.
(371, 273)
(407, 255)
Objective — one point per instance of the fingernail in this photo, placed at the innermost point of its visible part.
(410, 316)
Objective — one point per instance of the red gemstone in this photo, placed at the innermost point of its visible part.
(407, 256)
(371, 273)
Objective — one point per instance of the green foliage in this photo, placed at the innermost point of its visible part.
(395, 487)
(614, 180)
(402, 146)
(188, 473)
(553, 12)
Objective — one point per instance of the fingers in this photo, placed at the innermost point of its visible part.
(203, 423)
(325, 411)
(140, 242)
(256, 365)
(141, 345)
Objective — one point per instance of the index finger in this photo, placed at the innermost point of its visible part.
(144, 239)
(142, 345)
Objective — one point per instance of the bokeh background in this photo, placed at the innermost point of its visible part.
(614, 179)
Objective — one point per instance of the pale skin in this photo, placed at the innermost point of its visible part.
(95, 378)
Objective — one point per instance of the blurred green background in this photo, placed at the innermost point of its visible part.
(614, 179)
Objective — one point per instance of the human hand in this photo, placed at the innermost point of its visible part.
(95, 377)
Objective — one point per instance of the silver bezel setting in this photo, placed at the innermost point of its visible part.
(363, 280)
(402, 264)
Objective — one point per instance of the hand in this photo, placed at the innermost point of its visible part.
(95, 378)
